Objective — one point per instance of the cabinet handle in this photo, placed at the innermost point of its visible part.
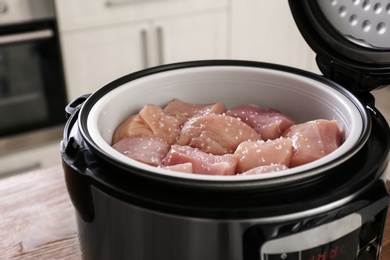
(144, 47)
(113, 3)
(160, 45)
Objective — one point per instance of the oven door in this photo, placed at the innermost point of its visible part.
(32, 88)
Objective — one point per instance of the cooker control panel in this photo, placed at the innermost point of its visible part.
(314, 244)
(356, 236)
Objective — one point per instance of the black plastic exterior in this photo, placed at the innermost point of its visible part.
(76, 159)
(85, 164)
(352, 66)
(360, 173)
(74, 106)
(96, 150)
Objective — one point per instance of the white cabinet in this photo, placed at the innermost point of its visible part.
(97, 51)
(265, 31)
(30, 159)
(75, 14)
(192, 37)
(97, 56)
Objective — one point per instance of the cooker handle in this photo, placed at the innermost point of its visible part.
(77, 159)
(76, 163)
(75, 105)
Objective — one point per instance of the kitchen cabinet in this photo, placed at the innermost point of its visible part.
(97, 56)
(30, 150)
(192, 37)
(30, 159)
(97, 51)
(75, 14)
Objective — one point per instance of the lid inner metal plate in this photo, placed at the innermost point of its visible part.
(364, 22)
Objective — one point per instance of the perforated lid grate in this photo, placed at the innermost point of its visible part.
(364, 22)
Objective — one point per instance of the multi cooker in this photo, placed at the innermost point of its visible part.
(332, 208)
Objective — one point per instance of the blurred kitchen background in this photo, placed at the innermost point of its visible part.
(51, 52)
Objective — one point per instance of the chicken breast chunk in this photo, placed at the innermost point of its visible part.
(216, 134)
(269, 124)
(252, 154)
(313, 140)
(202, 163)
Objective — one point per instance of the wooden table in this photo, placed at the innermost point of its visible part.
(37, 219)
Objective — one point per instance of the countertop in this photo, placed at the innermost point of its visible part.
(37, 219)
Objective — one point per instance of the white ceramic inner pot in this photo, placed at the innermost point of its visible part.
(300, 97)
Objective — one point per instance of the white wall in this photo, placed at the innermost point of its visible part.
(265, 30)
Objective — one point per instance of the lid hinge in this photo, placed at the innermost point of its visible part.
(345, 76)
(354, 79)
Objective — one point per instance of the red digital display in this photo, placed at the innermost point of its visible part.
(346, 247)
(326, 255)
(331, 254)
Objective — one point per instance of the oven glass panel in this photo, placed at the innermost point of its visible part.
(22, 97)
(32, 85)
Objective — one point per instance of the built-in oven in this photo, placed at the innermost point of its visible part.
(32, 85)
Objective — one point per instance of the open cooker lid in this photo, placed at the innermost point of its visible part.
(351, 39)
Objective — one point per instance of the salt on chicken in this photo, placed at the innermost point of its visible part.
(313, 140)
(252, 154)
(202, 163)
(269, 124)
(216, 134)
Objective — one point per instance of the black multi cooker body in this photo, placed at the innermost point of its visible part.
(334, 210)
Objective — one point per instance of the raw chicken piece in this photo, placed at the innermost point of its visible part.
(252, 154)
(150, 121)
(270, 123)
(202, 163)
(163, 125)
(146, 149)
(190, 110)
(313, 140)
(216, 134)
(183, 167)
(265, 169)
(131, 127)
